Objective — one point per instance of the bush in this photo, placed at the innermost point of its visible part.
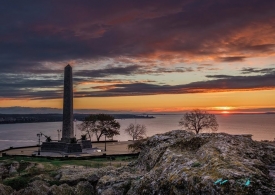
(17, 183)
(55, 182)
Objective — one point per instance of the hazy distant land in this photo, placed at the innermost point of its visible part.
(34, 118)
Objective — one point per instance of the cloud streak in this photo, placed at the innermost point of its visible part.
(53, 89)
(219, 84)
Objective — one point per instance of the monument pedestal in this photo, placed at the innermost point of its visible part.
(60, 147)
(66, 140)
(85, 143)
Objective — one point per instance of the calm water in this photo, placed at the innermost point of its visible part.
(261, 126)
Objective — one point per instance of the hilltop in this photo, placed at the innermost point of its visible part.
(177, 162)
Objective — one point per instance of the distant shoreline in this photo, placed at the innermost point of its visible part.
(41, 118)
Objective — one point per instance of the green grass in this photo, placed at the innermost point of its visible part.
(96, 162)
(17, 183)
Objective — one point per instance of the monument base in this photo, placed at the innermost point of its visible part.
(60, 147)
(66, 140)
(85, 143)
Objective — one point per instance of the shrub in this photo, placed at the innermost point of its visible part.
(17, 183)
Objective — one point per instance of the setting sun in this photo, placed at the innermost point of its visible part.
(223, 108)
(225, 112)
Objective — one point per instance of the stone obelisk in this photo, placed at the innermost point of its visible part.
(68, 126)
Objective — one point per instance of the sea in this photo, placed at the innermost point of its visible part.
(261, 126)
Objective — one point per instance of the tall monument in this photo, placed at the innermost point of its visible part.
(66, 145)
(68, 126)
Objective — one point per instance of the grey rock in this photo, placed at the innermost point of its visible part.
(93, 179)
(16, 165)
(5, 190)
(37, 187)
(63, 189)
(12, 170)
(84, 188)
(58, 176)
(72, 176)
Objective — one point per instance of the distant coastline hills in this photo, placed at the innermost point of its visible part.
(36, 118)
(19, 114)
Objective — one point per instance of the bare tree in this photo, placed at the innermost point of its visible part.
(137, 131)
(197, 120)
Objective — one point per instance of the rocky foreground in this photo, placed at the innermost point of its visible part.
(177, 162)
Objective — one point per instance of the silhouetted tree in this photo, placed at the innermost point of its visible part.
(106, 123)
(137, 131)
(197, 120)
(98, 124)
(88, 125)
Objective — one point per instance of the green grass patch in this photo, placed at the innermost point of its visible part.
(17, 183)
(50, 163)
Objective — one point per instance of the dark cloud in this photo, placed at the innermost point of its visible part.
(36, 32)
(129, 70)
(261, 48)
(219, 76)
(38, 37)
(232, 59)
(109, 71)
(256, 70)
(30, 86)
(46, 84)
(50, 89)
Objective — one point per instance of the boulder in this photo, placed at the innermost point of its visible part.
(12, 170)
(15, 164)
(37, 187)
(5, 190)
(63, 189)
(84, 188)
(73, 176)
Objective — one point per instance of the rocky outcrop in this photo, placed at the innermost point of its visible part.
(177, 162)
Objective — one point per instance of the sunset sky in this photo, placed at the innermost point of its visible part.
(139, 55)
